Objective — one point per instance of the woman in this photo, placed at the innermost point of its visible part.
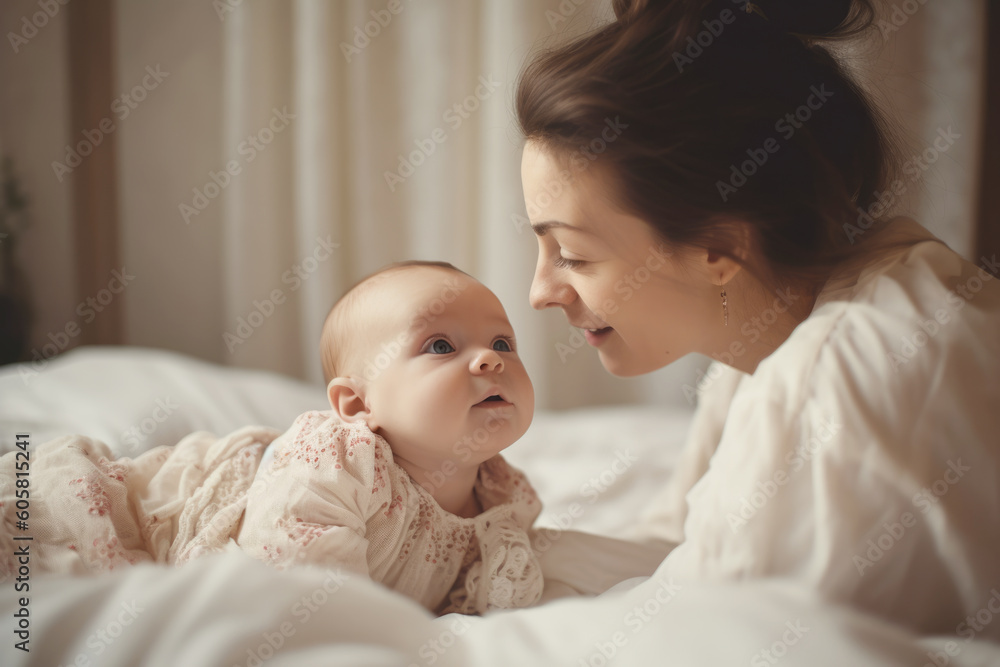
(704, 177)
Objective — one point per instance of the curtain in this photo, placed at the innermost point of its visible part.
(400, 143)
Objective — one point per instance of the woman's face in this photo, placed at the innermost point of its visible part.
(641, 303)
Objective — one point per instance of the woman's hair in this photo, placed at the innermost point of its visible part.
(718, 111)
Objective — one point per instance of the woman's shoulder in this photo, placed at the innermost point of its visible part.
(909, 268)
(913, 309)
(912, 340)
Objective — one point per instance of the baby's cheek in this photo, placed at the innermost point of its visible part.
(528, 388)
(433, 410)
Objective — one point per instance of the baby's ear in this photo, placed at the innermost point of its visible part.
(347, 399)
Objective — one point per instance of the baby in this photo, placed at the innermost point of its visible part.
(419, 355)
(402, 479)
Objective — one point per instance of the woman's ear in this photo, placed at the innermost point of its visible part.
(347, 399)
(721, 268)
(739, 239)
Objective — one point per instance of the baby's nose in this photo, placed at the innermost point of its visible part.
(487, 361)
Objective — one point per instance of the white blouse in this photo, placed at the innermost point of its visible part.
(862, 457)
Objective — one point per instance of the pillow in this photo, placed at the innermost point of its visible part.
(135, 398)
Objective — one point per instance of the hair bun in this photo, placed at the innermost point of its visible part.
(806, 17)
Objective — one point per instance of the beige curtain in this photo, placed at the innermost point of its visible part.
(925, 66)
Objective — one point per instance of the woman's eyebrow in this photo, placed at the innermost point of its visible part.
(540, 228)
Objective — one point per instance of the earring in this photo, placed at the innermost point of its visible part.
(725, 307)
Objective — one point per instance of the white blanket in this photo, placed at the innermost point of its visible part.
(594, 469)
(231, 610)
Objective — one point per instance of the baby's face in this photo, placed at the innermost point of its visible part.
(444, 381)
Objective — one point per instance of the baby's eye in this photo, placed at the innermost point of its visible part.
(440, 346)
(502, 345)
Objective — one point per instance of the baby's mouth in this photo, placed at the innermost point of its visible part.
(494, 401)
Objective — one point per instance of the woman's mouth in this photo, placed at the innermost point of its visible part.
(597, 336)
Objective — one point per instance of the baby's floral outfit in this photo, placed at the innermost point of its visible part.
(333, 495)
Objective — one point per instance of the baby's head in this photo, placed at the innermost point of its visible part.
(425, 355)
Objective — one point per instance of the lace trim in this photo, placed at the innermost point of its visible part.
(507, 576)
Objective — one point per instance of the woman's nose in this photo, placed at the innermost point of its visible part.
(486, 361)
(546, 292)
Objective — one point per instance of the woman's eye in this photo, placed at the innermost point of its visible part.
(502, 345)
(440, 346)
(564, 263)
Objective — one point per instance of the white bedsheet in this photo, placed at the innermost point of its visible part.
(594, 469)
(232, 610)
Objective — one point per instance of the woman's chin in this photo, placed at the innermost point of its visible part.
(628, 367)
(624, 368)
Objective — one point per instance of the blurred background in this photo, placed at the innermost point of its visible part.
(208, 176)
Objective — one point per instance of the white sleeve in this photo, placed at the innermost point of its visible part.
(663, 519)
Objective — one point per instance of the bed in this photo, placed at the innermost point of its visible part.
(594, 468)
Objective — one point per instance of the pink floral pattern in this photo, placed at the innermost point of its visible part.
(302, 532)
(114, 469)
(93, 513)
(93, 494)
